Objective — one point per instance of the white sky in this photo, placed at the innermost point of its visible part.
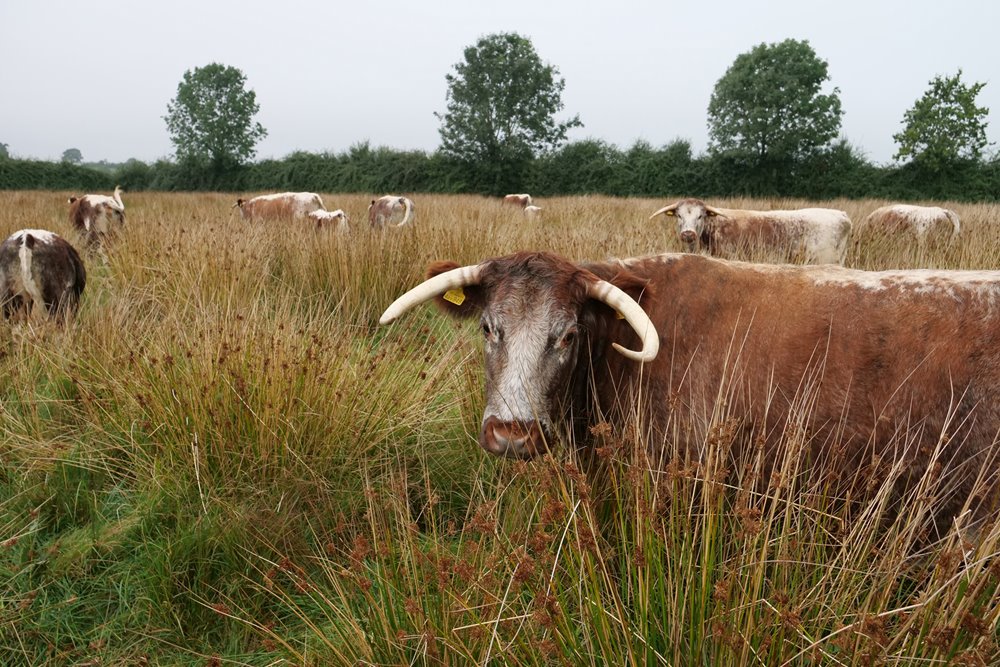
(98, 75)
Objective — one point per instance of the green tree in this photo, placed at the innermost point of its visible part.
(768, 111)
(944, 127)
(72, 155)
(501, 106)
(4, 153)
(211, 119)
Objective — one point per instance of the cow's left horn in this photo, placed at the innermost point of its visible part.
(432, 287)
(633, 313)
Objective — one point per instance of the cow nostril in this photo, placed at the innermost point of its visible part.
(514, 439)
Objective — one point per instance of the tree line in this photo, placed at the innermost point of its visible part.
(580, 167)
(773, 128)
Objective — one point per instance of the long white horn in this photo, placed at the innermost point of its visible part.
(430, 288)
(633, 313)
(118, 197)
(409, 210)
(662, 210)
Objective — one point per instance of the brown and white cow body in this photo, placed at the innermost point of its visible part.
(532, 212)
(520, 201)
(920, 221)
(813, 235)
(280, 206)
(865, 369)
(338, 220)
(40, 272)
(390, 211)
(97, 217)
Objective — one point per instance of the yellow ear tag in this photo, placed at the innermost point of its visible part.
(455, 296)
(619, 315)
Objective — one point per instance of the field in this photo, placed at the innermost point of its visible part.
(225, 460)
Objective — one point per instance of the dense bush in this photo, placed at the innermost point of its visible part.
(590, 166)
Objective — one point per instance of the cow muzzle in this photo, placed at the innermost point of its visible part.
(517, 440)
(688, 236)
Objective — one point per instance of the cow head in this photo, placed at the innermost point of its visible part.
(691, 216)
(533, 309)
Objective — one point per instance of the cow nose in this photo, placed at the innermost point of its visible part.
(688, 236)
(516, 439)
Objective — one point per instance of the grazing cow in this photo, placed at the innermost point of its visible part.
(337, 219)
(863, 370)
(518, 200)
(39, 270)
(815, 235)
(920, 221)
(385, 210)
(281, 206)
(97, 217)
(532, 212)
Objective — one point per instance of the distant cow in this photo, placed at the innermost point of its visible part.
(920, 221)
(872, 378)
(386, 210)
(532, 212)
(518, 200)
(814, 235)
(39, 270)
(336, 219)
(97, 217)
(281, 206)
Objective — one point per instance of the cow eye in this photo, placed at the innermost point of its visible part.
(487, 330)
(567, 338)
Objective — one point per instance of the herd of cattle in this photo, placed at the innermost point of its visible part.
(890, 375)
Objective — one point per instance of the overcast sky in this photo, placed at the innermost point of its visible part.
(98, 75)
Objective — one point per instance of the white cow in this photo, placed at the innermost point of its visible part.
(817, 235)
(920, 221)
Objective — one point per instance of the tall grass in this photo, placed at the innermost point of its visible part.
(223, 458)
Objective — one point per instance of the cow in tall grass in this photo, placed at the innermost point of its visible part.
(40, 272)
(918, 221)
(97, 217)
(813, 235)
(872, 380)
(280, 206)
(338, 220)
(520, 201)
(391, 211)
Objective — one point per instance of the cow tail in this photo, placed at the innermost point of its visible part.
(408, 215)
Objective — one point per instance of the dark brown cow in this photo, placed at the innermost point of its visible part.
(39, 272)
(900, 366)
(97, 217)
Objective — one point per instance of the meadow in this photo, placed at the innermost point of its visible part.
(223, 459)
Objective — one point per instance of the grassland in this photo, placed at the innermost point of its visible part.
(224, 460)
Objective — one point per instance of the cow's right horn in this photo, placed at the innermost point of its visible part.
(670, 207)
(430, 288)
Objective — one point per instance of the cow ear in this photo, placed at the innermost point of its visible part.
(712, 212)
(463, 302)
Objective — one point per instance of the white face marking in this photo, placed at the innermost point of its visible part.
(42, 235)
(691, 218)
(28, 284)
(517, 391)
